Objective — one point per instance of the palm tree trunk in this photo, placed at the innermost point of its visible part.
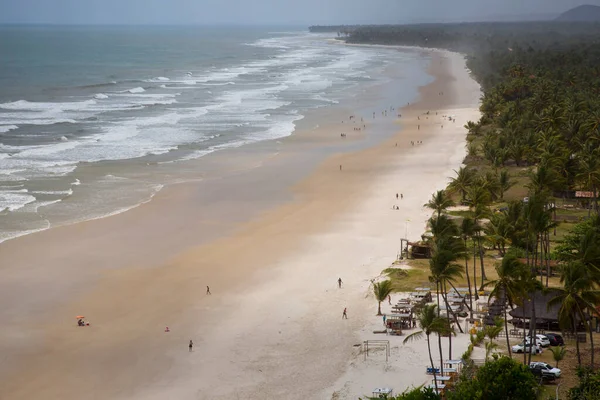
(379, 308)
(532, 325)
(445, 297)
(475, 271)
(506, 330)
(468, 281)
(547, 257)
(589, 325)
(441, 355)
(432, 365)
(483, 277)
(576, 340)
(524, 334)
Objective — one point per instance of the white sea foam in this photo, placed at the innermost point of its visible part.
(15, 200)
(76, 182)
(158, 79)
(67, 192)
(6, 128)
(41, 204)
(136, 90)
(249, 101)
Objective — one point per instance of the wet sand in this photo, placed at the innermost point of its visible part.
(272, 327)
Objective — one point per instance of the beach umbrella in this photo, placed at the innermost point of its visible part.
(79, 317)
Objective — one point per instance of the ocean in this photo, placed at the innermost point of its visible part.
(96, 120)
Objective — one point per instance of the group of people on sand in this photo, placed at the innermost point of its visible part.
(417, 142)
(398, 196)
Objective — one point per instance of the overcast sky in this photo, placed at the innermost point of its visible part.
(273, 12)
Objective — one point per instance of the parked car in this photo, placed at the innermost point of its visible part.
(555, 339)
(525, 347)
(540, 373)
(542, 340)
(545, 368)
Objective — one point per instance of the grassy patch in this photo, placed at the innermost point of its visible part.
(406, 280)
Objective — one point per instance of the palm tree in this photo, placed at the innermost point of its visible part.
(589, 171)
(577, 297)
(467, 230)
(382, 290)
(462, 181)
(478, 200)
(443, 271)
(498, 232)
(429, 322)
(439, 202)
(558, 353)
(508, 286)
(492, 332)
(504, 182)
(473, 128)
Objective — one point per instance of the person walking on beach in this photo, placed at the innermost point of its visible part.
(384, 318)
(396, 196)
(401, 196)
(191, 345)
(340, 167)
(345, 314)
(340, 283)
(208, 290)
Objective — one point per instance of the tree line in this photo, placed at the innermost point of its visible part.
(540, 113)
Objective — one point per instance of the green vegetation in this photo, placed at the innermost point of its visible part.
(382, 290)
(588, 388)
(535, 147)
(430, 322)
(558, 354)
(413, 394)
(499, 379)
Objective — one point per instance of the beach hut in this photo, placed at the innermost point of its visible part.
(545, 317)
(419, 250)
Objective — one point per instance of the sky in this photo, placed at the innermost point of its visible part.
(275, 12)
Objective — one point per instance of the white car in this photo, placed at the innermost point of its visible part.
(546, 368)
(526, 347)
(542, 340)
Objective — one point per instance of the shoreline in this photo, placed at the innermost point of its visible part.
(297, 227)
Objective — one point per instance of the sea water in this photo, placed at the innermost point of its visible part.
(81, 108)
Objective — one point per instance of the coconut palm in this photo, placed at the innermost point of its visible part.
(498, 232)
(443, 271)
(439, 202)
(576, 297)
(504, 182)
(467, 230)
(492, 332)
(462, 182)
(508, 286)
(478, 199)
(442, 227)
(429, 322)
(382, 290)
(589, 171)
(558, 353)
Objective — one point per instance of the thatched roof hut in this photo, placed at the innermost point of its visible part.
(542, 312)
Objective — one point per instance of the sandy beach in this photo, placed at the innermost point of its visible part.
(272, 327)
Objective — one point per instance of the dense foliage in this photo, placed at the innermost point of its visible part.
(541, 117)
(588, 388)
(499, 379)
(414, 394)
